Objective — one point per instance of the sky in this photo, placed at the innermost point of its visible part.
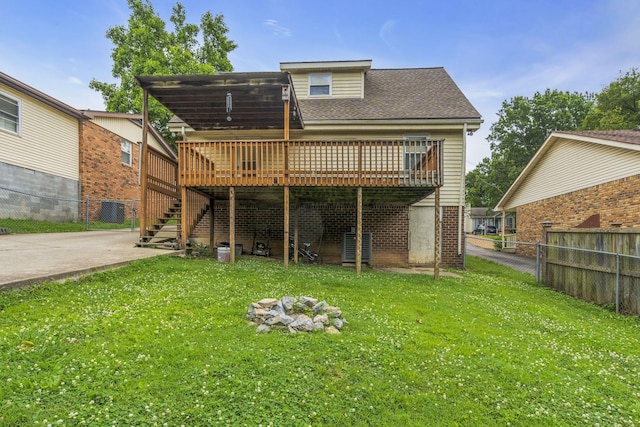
(493, 49)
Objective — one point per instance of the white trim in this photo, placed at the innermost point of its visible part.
(322, 76)
(130, 152)
(19, 123)
(553, 138)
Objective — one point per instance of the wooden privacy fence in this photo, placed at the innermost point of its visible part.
(376, 163)
(600, 266)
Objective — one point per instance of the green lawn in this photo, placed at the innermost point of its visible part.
(164, 341)
(26, 226)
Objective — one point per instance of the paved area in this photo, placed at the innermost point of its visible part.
(478, 247)
(31, 258)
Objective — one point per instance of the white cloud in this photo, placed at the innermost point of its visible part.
(74, 81)
(386, 32)
(277, 29)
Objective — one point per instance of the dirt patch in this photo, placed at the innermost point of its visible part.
(416, 270)
(481, 242)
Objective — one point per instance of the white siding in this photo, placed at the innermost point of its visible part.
(453, 172)
(48, 140)
(127, 129)
(343, 85)
(574, 165)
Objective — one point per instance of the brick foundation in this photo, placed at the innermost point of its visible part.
(450, 226)
(617, 201)
(323, 225)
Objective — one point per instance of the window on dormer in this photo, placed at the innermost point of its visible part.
(319, 84)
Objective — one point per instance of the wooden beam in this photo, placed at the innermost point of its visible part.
(436, 264)
(184, 214)
(359, 233)
(232, 225)
(143, 162)
(295, 234)
(286, 226)
(211, 225)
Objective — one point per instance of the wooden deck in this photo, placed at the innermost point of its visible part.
(324, 163)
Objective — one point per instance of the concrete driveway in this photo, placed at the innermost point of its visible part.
(482, 248)
(31, 258)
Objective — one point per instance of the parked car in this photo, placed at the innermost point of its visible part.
(491, 229)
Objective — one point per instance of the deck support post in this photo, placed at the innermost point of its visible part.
(295, 234)
(232, 225)
(436, 264)
(211, 225)
(286, 226)
(183, 217)
(359, 233)
(143, 163)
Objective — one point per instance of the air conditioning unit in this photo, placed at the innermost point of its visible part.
(349, 247)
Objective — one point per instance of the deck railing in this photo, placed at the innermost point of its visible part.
(373, 163)
(159, 188)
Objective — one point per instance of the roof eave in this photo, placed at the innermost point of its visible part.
(41, 96)
(552, 139)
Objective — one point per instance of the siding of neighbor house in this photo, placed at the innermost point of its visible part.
(127, 129)
(48, 140)
(590, 164)
(104, 176)
(616, 202)
(343, 84)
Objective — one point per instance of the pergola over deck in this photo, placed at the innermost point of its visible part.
(274, 171)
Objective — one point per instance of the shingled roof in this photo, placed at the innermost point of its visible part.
(415, 93)
(630, 136)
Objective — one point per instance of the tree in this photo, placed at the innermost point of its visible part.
(144, 47)
(523, 125)
(618, 105)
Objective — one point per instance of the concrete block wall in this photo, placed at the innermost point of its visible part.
(30, 194)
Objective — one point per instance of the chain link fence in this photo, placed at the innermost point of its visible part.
(609, 278)
(24, 212)
(605, 278)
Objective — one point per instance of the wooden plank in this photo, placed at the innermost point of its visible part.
(359, 233)
(232, 225)
(286, 227)
(436, 264)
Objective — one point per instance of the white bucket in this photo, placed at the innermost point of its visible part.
(224, 254)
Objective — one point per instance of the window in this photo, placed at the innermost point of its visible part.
(319, 84)
(9, 113)
(414, 151)
(125, 148)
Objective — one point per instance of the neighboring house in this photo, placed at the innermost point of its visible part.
(54, 156)
(475, 217)
(394, 135)
(578, 179)
(39, 155)
(110, 148)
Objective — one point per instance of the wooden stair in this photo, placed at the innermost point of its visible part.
(165, 233)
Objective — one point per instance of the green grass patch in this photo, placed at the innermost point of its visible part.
(27, 226)
(165, 341)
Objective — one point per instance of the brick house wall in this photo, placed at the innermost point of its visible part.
(103, 175)
(616, 202)
(449, 238)
(323, 225)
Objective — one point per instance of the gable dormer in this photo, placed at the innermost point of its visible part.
(328, 79)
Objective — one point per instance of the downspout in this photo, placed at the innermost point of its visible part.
(462, 190)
